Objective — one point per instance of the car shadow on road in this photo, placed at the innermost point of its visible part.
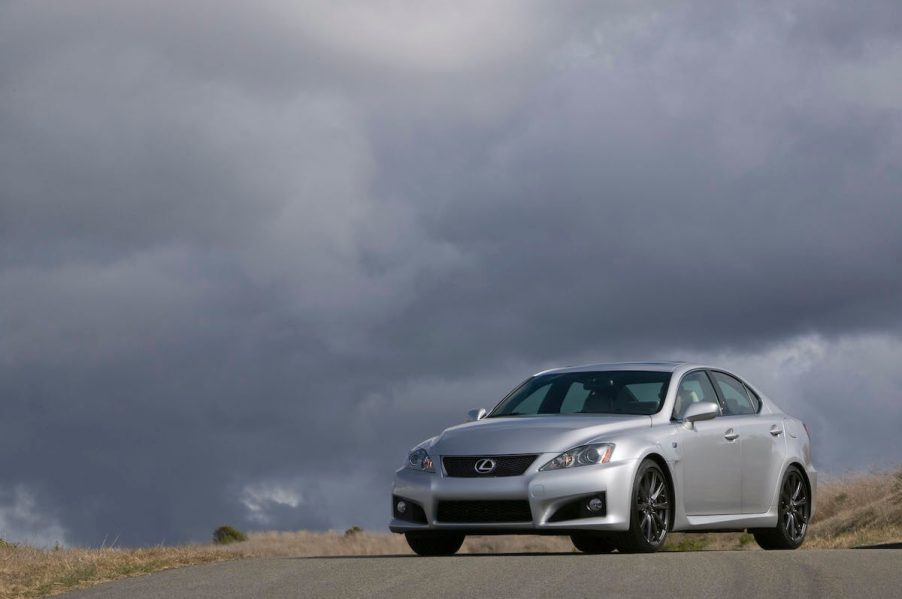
(458, 555)
(881, 546)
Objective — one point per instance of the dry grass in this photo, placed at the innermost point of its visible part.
(30, 572)
(857, 510)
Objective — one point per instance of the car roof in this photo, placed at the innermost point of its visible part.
(657, 366)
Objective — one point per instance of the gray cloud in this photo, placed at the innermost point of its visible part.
(249, 255)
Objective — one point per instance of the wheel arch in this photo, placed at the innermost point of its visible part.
(805, 476)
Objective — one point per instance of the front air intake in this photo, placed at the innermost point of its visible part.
(484, 512)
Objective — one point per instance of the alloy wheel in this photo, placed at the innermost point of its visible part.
(653, 506)
(794, 507)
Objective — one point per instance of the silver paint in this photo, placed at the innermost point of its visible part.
(725, 471)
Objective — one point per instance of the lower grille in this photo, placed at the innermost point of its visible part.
(484, 511)
(502, 465)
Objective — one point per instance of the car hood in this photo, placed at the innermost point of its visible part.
(530, 434)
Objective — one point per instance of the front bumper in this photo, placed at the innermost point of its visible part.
(547, 493)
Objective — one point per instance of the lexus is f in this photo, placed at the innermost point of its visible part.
(616, 456)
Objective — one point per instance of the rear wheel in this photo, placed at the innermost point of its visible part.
(589, 543)
(434, 543)
(793, 512)
(650, 513)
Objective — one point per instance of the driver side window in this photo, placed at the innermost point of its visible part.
(694, 388)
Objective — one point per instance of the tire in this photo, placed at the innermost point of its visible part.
(649, 511)
(793, 513)
(434, 543)
(593, 544)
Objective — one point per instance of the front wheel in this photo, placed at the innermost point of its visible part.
(793, 513)
(434, 543)
(650, 511)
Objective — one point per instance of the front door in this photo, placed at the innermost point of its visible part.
(711, 458)
(712, 467)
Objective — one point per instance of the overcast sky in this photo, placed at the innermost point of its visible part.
(251, 253)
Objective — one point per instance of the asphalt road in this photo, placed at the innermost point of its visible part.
(872, 573)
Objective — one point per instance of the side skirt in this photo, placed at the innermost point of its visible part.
(731, 521)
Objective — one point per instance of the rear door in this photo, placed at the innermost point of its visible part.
(761, 442)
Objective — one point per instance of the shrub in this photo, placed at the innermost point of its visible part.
(228, 534)
(4, 544)
(354, 530)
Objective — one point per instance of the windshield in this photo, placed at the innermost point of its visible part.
(609, 392)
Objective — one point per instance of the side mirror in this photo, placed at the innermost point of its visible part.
(704, 410)
(476, 414)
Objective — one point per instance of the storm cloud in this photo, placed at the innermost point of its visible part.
(252, 253)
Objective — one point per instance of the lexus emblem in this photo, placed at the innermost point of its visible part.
(484, 466)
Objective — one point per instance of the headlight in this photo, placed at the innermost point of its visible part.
(584, 455)
(419, 460)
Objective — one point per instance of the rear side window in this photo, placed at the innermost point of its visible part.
(756, 401)
(736, 397)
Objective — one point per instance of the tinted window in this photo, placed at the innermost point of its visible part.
(575, 399)
(606, 392)
(694, 388)
(756, 401)
(531, 400)
(736, 398)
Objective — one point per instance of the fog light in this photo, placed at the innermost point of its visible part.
(595, 504)
(401, 507)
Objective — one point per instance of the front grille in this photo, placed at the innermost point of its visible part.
(505, 465)
(484, 511)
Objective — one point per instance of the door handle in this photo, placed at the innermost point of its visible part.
(730, 435)
(776, 430)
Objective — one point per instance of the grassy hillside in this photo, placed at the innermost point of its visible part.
(853, 511)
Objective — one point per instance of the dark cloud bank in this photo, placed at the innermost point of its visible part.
(251, 254)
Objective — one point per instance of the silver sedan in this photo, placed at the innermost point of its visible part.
(615, 456)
